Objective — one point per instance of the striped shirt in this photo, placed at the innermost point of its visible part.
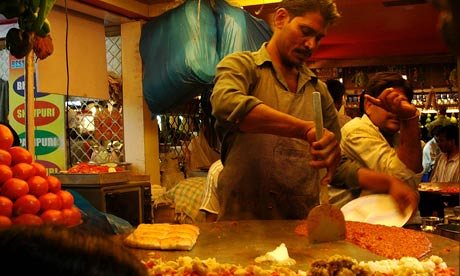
(446, 170)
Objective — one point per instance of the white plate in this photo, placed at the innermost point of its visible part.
(375, 209)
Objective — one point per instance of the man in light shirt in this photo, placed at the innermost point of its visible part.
(431, 151)
(386, 139)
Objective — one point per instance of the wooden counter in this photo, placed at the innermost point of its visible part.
(241, 242)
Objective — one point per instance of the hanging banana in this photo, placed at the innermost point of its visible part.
(34, 28)
(43, 10)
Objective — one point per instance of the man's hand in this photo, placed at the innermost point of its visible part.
(378, 182)
(394, 101)
(325, 152)
(404, 195)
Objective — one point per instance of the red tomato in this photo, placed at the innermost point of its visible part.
(37, 185)
(67, 198)
(5, 173)
(50, 201)
(5, 222)
(20, 155)
(6, 206)
(81, 167)
(28, 219)
(52, 216)
(5, 157)
(54, 183)
(23, 171)
(40, 170)
(71, 216)
(26, 204)
(77, 214)
(100, 169)
(14, 188)
(6, 137)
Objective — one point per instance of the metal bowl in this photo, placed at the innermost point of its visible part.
(429, 223)
(451, 231)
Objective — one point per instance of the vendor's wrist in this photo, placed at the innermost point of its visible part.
(304, 132)
(416, 115)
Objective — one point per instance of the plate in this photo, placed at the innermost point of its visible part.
(375, 209)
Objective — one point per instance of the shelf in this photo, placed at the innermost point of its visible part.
(442, 93)
(432, 111)
(452, 105)
(437, 90)
(357, 92)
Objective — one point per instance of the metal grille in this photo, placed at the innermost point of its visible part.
(177, 128)
(95, 127)
(95, 130)
(4, 68)
(113, 48)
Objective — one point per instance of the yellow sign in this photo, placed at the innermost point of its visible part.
(49, 116)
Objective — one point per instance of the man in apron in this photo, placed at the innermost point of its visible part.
(263, 104)
(262, 101)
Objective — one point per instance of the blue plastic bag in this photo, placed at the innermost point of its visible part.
(179, 54)
(95, 221)
(238, 30)
(181, 48)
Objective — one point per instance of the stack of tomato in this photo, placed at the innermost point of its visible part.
(27, 194)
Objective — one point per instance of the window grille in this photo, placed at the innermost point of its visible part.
(4, 68)
(95, 127)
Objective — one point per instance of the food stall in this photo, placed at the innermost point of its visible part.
(235, 242)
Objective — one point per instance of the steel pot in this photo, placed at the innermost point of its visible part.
(429, 223)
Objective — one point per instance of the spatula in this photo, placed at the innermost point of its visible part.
(325, 222)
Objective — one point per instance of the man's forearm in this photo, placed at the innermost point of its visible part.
(410, 149)
(404, 195)
(373, 181)
(264, 119)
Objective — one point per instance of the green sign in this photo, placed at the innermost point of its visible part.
(45, 141)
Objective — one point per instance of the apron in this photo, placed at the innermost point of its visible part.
(267, 176)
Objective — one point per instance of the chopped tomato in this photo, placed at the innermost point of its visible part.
(84, 167)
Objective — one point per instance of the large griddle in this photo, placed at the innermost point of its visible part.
(241, 242)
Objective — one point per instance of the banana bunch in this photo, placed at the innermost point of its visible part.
(34, 28)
